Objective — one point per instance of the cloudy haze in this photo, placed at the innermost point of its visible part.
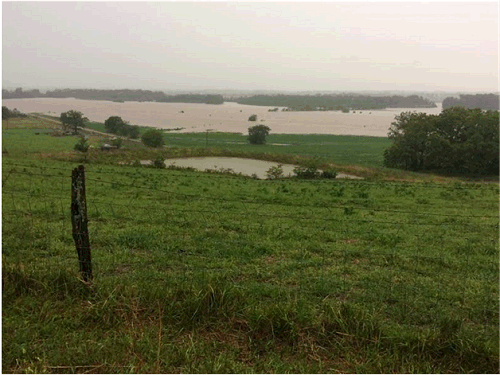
(450, 46)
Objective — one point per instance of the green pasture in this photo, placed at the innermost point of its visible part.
(342, 149)
(197, 272)
(29, 142)
(204, 272)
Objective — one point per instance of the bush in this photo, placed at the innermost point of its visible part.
(252, 118)
(82, 145)
(159, 163)
(311, 170)
(133, 131)
(307, 173)
(329, 173)
(275, 172)
(153, 138)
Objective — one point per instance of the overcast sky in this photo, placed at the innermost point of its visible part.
(450, 46)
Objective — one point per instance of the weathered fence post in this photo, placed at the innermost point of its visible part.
(79, 221)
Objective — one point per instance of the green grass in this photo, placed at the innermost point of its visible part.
(24, 142)
(343, 149)
(96, 126)
(362, 151)
(205, 273)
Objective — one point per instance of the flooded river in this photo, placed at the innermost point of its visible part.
(228, 117)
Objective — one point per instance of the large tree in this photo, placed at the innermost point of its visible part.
(458, 140)
(257, 134)
(72, 120)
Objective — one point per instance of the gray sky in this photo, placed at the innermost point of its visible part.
(450, 46)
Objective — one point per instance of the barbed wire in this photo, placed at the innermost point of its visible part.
(295, 217)
(262, 201)
(413, 184)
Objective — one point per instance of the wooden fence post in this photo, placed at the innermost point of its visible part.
(79, 221)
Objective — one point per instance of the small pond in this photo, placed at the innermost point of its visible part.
(238, 165)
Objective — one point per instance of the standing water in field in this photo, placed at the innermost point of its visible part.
(244, 166)
(227, 117)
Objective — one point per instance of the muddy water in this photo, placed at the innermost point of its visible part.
(238, 165)
(228, 117)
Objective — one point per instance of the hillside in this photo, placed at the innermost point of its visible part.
(212, 272)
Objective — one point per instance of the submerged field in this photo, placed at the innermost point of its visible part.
(197, 272)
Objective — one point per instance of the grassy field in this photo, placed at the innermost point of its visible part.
(361, 156)
(362, 151)
(197, 272)
(346, 150)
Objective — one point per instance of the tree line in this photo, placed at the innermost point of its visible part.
(114, 95)
(483, 101)
(457, 141)
(330, 102)
(10, 113)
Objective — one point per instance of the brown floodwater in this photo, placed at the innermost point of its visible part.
(228, 117)
(246, 167)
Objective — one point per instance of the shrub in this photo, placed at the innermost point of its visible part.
(329, 173)
(275, 172)
(307, 173)
(159, 163)
(311, 170)
(153, 138)
(133, 131)
(252, 118)
(82, 145)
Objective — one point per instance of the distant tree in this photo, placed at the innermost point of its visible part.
(6, 113)
(252, 118)
(153, 138)
(257, 134)
(483, 101)
(114, 124)
(71, 120)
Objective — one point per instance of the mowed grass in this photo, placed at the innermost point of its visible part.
(207, 273)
